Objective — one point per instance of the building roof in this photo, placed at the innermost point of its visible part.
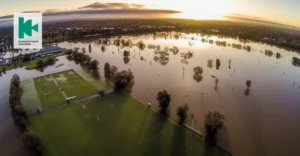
(48, 50)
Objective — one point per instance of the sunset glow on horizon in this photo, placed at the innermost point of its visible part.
(281, 11)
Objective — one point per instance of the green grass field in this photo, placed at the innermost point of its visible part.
(29, 65)
(49, 94)
(74, 85)
(30, 98)
(125, 127)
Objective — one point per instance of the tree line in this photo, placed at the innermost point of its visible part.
(84, 60)
(122, 80)
(29, 137)
(214, 121)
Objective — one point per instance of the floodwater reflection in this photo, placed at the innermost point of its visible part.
(272, 96)
(246, 60)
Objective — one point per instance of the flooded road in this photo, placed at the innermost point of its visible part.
(262, 121)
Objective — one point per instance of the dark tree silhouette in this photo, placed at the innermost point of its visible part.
(198, 74)
(90, 48)
(15, 81)
(216, 84)
(214, 121)
(32, 140)
(247, 92)
(126, 53)
(164, 100)
(248, 84)
(101, 93)
(141, 45)
(210, 63)
(182, 113)
(40, 64)
(103, 48)
(107, 72)
(110, 71)
(278, 55)
(94, 65)
(126, 60)
(218, 64)
(124, 80)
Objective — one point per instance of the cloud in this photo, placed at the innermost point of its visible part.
(113, 11)
(35, 11)
(98, 5)
(51, 10)
(104, 8)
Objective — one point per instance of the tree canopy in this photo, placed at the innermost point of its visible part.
(214, 121)
(124, 79)
(248, 83)
(164, 99)
(182, 113)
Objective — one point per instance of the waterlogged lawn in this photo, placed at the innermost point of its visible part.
(48, 93)
(74, 85)
(116, 125)
(99, 84)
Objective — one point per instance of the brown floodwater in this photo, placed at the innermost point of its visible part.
(261, 123)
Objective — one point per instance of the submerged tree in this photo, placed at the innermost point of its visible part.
(126, 53)
(216, 84)
(198, 74)
(124, 80)
(210, 63)
(164, 99)
(141, 45)
(103, 48)
(110, 71)
(268, 53)
(214, 121)
(218, 64)
(90, 48)
(174, 50)
(186, 56)
(94, 65)
(278, 55)
(107, 73)
(162, 57)
(182, 113)
(126, 60)
(248, 84)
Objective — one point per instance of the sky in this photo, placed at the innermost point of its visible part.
(280, 11)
